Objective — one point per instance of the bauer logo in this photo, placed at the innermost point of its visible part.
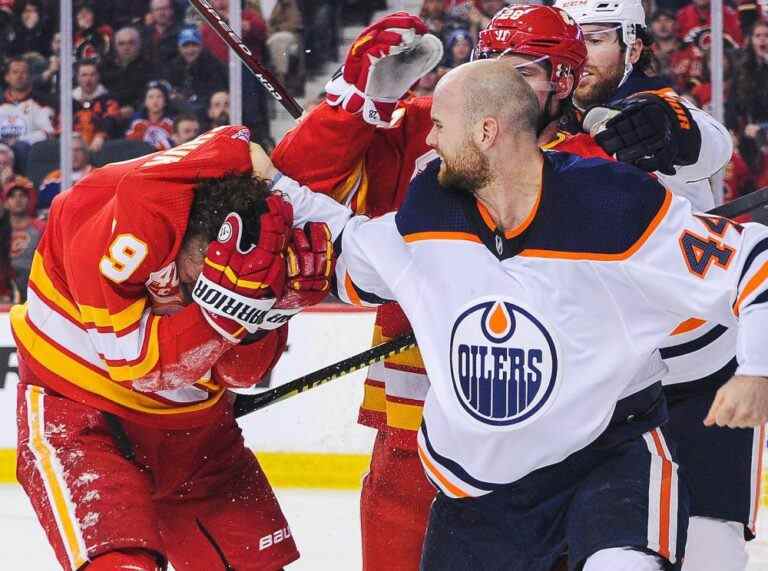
(504, 363)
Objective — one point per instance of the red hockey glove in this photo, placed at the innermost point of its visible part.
(387, 58)
(310, 260)
(237, 288)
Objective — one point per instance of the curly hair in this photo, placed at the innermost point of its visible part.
(215, 198)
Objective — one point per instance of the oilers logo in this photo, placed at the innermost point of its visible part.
(504, 363)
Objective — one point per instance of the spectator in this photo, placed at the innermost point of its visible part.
(321, 33)
(694, 24)
(8, 292)
(185, 128)
(458, 49)
(127, 71)
(24, 119)
(152, 124)
(195, 73)
(285, 48)
(665, 40)
(48, 82)
(96, 112)
(750, 86)
(7, 165)
(254, 33)
(433, 12)
(93, 40)
(160, 35)
(32, 32)
(51, 185)
(218, 109)
(26, 230)
(7, 26)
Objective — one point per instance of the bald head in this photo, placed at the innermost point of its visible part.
(492, 88)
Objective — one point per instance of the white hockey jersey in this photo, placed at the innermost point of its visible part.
(530, 337)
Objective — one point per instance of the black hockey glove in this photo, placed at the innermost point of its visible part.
(652, 132)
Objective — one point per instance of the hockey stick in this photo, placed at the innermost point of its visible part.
(265, 77)
(743, 204)
(245, 404)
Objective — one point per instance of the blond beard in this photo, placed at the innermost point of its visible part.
(468, 172)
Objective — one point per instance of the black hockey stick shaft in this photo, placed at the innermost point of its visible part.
(742, 205)
(245, 404)
(265, 77)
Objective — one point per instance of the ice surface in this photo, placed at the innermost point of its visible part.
(325, 525)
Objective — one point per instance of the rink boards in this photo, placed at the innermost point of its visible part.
(309, 441)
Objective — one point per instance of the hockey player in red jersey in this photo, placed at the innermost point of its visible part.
(159, 283)
(368, 165)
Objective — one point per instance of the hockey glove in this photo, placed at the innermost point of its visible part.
(238, 287)
(383, 63)
(652, 132)
(310, 261)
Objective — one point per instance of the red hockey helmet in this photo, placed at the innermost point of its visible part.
(538, 31)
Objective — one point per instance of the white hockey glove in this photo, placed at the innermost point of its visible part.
(384, 62)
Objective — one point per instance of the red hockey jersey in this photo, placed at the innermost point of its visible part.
(369, 169)
(88, 330)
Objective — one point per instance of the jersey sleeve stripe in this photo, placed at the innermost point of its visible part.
(147, 359)
(696, 344)
(757, 249)
(762, 298)
(688, 325)
(443, 482)
(755, 282)
(593, 256)
(66, 365)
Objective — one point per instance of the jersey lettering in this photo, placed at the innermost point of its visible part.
(125, 256)
(700, 253)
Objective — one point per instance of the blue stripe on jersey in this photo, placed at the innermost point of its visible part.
(762, 298)
(694, 345)
(454, 468)
(757, 249)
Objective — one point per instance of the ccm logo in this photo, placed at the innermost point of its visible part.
(274, 538)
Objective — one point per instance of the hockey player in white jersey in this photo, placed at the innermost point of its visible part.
(621, 103)
(539, 299)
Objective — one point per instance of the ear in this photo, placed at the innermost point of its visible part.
(636, 51)
(486, 132)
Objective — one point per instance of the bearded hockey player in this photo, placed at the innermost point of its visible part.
(372, 174)
(159, 283)
(539, 287)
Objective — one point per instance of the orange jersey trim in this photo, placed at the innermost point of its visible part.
(517, 230)
(688, 325)
(665, 497)
(756, 281)
(554, 254)
(420, 236)
(455, 490)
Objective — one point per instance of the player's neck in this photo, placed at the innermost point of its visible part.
(514, 189)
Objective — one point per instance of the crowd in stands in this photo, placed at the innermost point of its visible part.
(147, 72)
(151, 73)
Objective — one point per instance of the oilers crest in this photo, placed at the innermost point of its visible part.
(504, 363)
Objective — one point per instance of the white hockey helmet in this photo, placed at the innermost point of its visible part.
(627, 14)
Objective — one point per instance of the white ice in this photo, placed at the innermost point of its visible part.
(325, 524)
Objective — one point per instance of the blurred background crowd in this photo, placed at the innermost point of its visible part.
(150, 75)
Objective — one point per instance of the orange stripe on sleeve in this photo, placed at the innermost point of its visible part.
(351, 291)
(756, 281)
(688, 325)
